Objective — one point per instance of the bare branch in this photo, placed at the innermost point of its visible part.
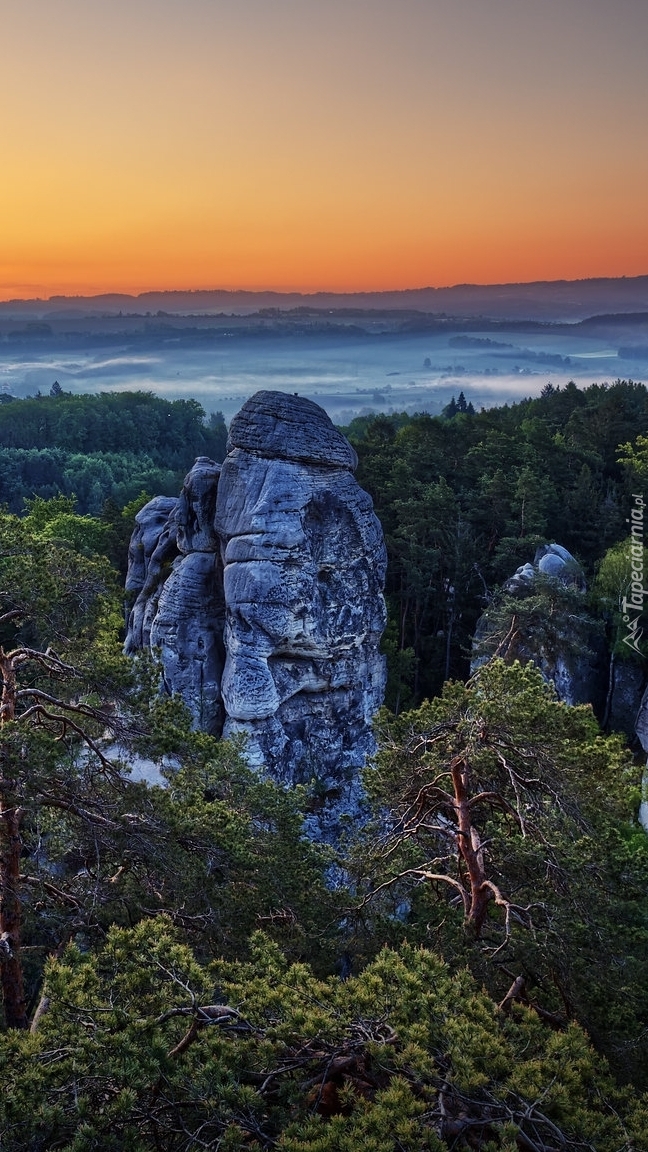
(50, 801)
(47, 659)
(66, 722)
(421, 874)
(14, 614)
(202, 1017)
(207, 1014)
(187, 1040)
(515, 992)
(494, 798)
(56, 893)
(107, 719)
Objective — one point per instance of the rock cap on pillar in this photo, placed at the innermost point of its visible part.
(280, 426)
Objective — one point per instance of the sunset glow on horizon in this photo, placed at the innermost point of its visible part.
(346, 145)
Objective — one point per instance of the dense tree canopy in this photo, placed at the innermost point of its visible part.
(466, 498)
(505, 818)
(143, 1048)
(180, 967)
(171, 432)
(108, 446)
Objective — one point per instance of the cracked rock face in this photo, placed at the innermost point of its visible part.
(188, 630)
(149, 525)
(194, 515)
(304, 564)
(179, 609)
(151, 552)
(270, 619)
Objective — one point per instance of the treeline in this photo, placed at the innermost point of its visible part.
(109, 446)
(464, 499)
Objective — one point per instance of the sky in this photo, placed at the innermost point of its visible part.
(320, 144)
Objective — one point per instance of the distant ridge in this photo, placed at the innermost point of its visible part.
(539, 300)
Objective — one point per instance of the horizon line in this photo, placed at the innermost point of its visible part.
(316, 292)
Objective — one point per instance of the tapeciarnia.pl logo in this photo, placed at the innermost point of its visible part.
(632, 604)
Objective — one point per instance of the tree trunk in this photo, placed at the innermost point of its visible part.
(8, 697)
(470, 850)
(11, 974)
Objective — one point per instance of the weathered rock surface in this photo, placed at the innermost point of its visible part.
(188, 629)
(194, 515)
(151, 552)
(574, 663)
(627, 683)
(270, 618)
(283, 427)
(550, 560)
(174, 564)
(149, 524)
(641, 728)
(304, 565)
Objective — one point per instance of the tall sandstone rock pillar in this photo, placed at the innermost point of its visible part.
(304, 567)
(269, 620)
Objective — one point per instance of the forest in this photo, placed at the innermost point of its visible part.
(180, 967)
(110, 446)
(464, 500)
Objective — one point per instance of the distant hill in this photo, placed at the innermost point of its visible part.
(551, 300)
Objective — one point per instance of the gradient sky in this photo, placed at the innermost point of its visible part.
(307, 144)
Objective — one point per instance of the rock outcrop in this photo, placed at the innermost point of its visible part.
(628, 707)
(585, 672)
(635, 685)
(174, 565)
(151, 551)
(569, 653)
(262, 588)
(551, 560)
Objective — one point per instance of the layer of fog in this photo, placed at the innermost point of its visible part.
(348, 376)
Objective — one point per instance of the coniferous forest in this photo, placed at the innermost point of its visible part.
(181, 968)
(110, 446)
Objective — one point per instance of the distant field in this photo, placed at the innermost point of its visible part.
(348, 371)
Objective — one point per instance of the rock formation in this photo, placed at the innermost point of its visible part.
(262, 588)
(152, 548)
(571, 656)
(550, 560)
(615, 687)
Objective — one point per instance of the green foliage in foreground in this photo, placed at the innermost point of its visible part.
(82, 845)
(142, 1040)
(58, 520)
(505, 829)
(143, 1048)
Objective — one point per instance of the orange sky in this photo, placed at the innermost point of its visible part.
(320, 144)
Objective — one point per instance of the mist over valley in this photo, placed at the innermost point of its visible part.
(351, 360)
